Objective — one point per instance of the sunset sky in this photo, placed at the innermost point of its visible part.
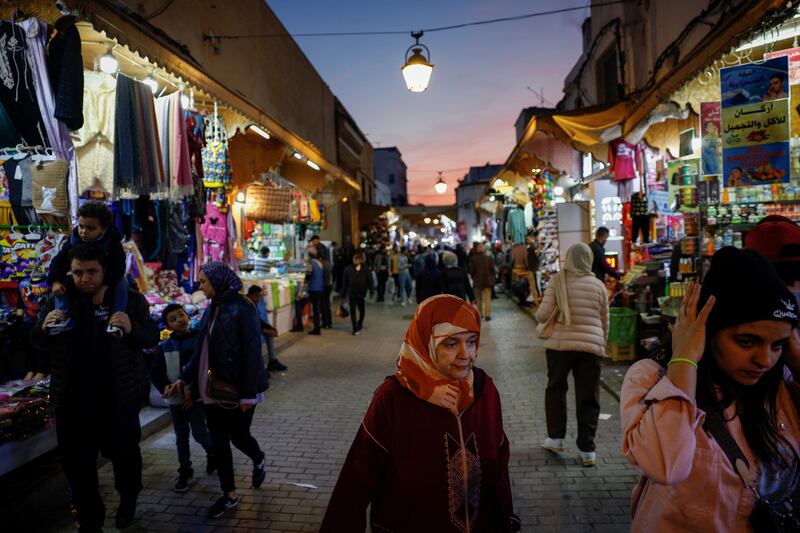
(478, 87)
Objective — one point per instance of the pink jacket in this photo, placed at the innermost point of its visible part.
(687, 481)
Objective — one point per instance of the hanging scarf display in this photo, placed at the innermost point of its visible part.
(138, 167)
(174, 145)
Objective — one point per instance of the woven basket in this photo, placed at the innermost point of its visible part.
(267, 203)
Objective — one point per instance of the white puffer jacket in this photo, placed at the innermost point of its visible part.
(588, 306)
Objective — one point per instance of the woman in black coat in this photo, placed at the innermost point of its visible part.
(429, 279)
(455, 280)
(228, 371)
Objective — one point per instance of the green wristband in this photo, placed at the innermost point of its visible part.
(682, 360)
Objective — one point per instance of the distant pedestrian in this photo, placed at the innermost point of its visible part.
(533, 268)
(428, 279)
(382, 271)
(356, 282)
(228, 372)
(311, 291)
(455, 280)
(403, 276)
(575, 309)
(438, 414)
(268, 332)
(186, 410)
(483, 277)
(97, 386)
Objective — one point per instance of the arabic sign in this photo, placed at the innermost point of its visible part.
(755, 82)
(756, 165)
(794, 111)
(711, 147)
(794, 63)
(755, 124)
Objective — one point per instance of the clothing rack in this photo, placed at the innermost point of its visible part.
(30, 227)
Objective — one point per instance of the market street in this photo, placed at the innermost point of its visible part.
(312, 412)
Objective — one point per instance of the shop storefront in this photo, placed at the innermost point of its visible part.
(191, 171)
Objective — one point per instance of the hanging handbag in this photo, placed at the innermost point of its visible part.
(767, 516)
(224, 393)
(546, 328)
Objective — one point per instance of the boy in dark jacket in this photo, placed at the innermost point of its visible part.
(94, 227)
(186, 409)
(356, 282)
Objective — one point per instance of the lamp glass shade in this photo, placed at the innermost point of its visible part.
(441, 186)
(417, 71)
(109, 63)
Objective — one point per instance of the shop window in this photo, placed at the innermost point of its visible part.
(607, 77)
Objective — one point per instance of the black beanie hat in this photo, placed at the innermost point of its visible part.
(747, 289)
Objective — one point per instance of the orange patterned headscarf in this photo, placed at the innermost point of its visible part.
(436, 319)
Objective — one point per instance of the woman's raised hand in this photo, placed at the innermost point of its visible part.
(689, 332)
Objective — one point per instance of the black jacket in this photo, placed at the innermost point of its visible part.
(456, 282)
(234, 346)
(600, 266)
(356, 283)
(185, 345)
(128, 369)
(110, 244)
(429, 283)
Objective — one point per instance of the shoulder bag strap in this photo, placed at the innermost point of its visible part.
(715, 426)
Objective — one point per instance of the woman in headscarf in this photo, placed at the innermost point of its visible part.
(429, 278)
(575, 309)
(228, 371)
(431, 453)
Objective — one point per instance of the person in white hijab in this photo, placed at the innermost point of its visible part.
(573, 321)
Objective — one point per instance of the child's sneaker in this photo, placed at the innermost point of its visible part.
(259, 473)
(60, 327)
(221, 505)
(114, 330)
(183, 482)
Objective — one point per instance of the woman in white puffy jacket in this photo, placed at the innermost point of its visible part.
(576, 303)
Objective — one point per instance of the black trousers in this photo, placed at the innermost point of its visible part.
(585, 368)
(228, 426)
(641, 224)
(81, 434)
(357, 303)
(382, 278)
(327, 316)
(315, 297)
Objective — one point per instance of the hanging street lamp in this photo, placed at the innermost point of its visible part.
(417, 70)
(441, 185)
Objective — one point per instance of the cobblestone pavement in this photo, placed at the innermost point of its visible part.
(313, 410)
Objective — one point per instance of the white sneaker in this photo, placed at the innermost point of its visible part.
(554, 445)
(588, 458)
(529, 299)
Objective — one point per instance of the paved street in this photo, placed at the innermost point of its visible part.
(312, 413)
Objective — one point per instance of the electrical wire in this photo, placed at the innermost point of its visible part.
(513, 18)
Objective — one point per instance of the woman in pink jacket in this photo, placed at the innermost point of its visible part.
(730, 379)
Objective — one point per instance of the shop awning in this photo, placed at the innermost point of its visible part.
(741, 20)
(586, 126)
(368, 213)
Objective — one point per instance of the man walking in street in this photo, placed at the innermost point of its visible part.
(256, 295)
(381, 271)
(356, 282)
(482, 272)
(98, 385)
(600, 266)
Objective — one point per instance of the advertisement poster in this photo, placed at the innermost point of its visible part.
(755, 124)
(756, 165)
(794, 114)
(794, 63)
(754, 83)
(711, 147)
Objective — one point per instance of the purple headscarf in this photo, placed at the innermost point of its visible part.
(222, 277)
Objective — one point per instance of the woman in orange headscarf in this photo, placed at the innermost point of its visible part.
(431, 453)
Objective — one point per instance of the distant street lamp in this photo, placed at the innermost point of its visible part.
(441, 186)
(417, 70)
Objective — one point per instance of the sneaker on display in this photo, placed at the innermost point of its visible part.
(221, 505)
(588, 458)
(554, 445)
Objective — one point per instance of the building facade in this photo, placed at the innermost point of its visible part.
(391, 170)
(469, 191)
